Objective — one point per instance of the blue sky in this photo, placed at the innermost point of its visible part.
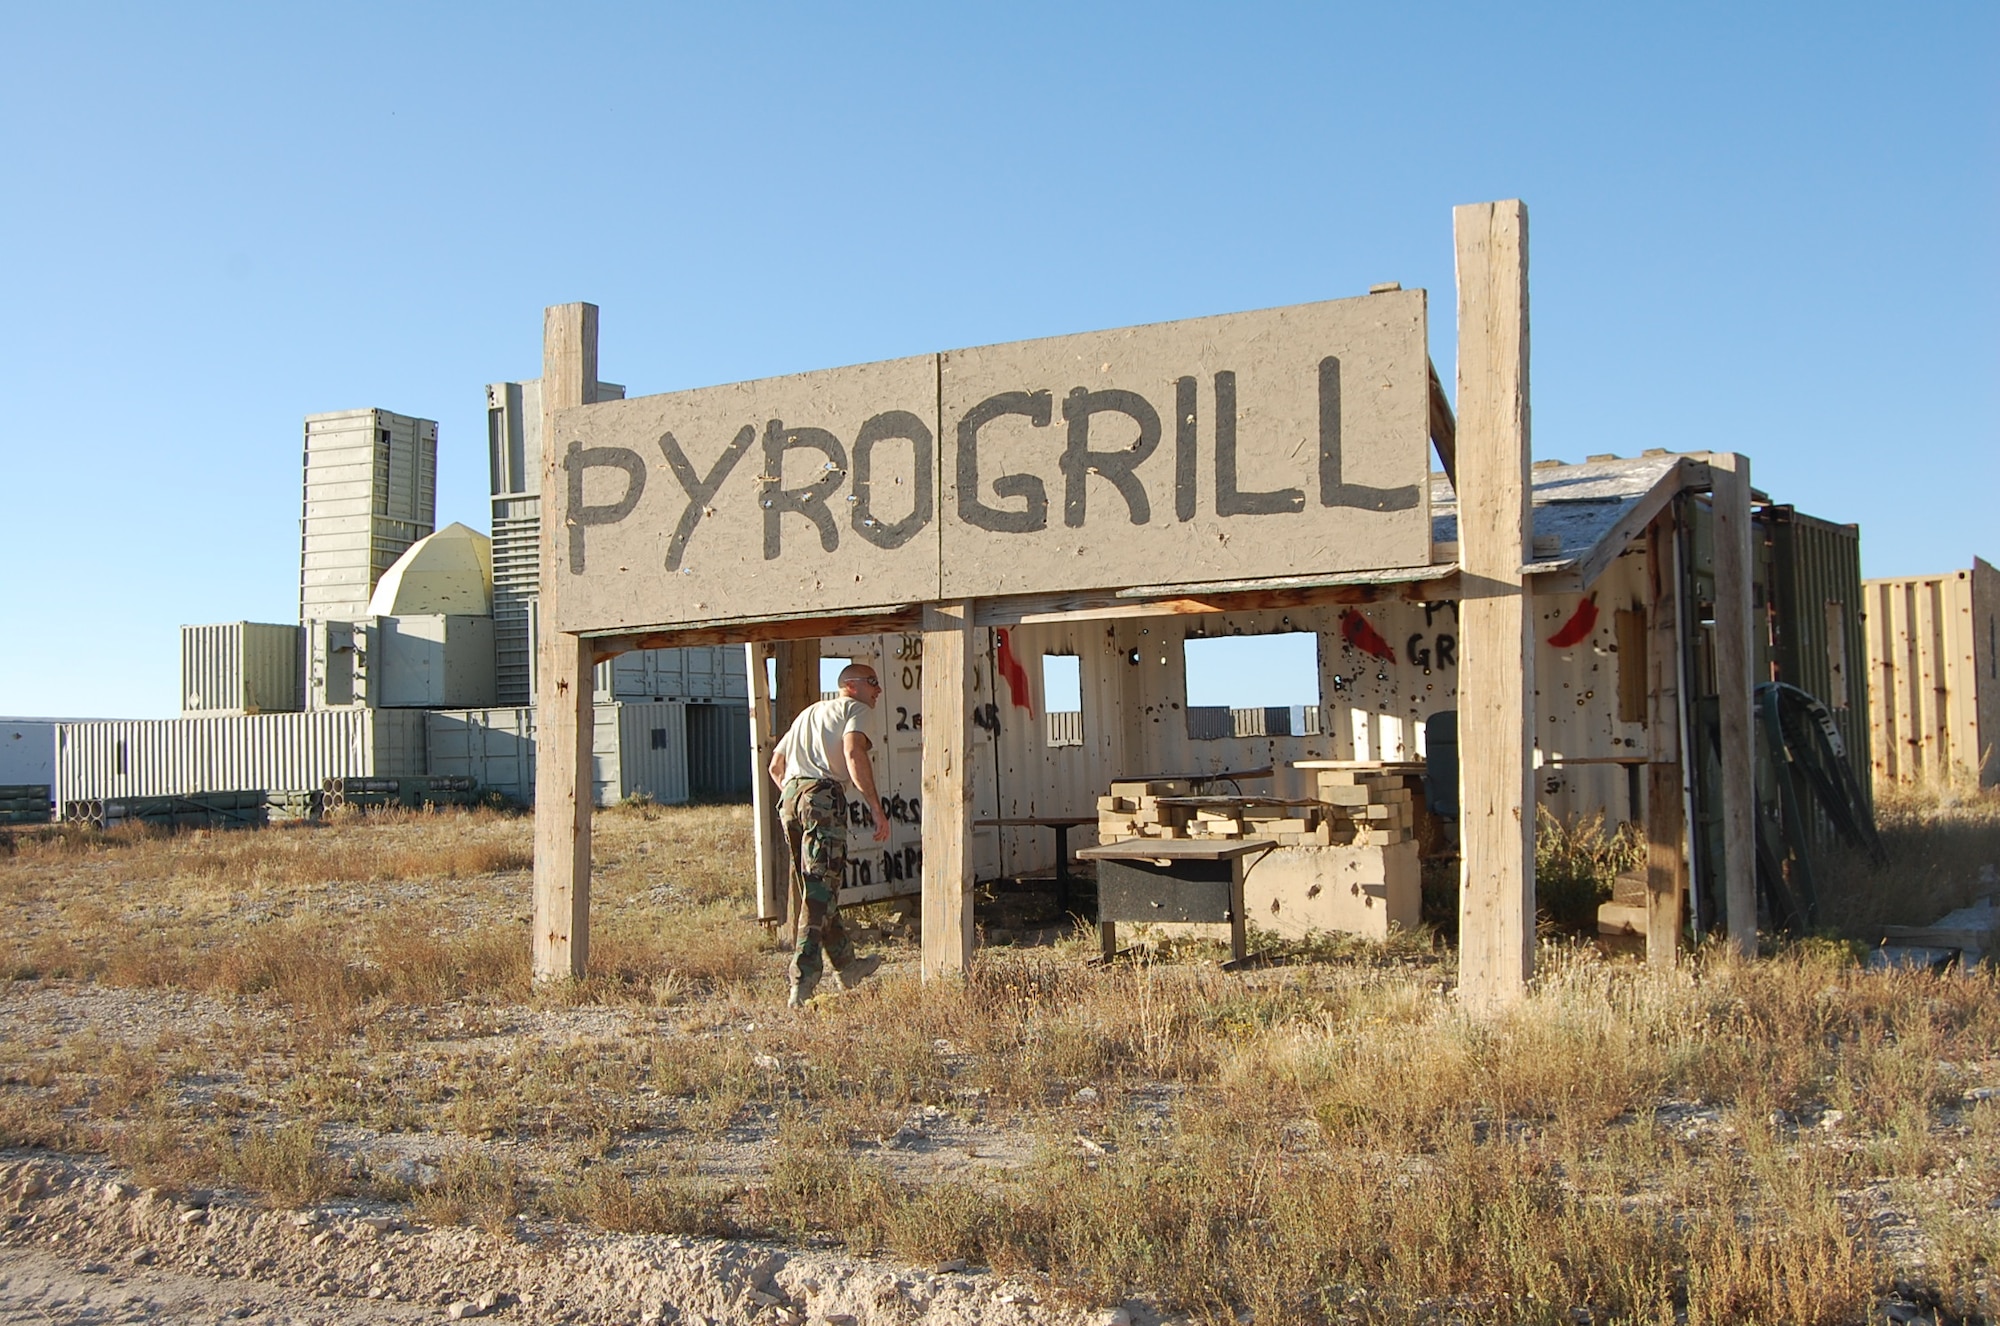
(1754, 227)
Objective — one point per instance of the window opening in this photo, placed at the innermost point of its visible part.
(1252, 685)
(829, 676)
(659, 738)
(1062, 698)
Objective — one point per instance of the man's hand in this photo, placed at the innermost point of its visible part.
(854, 745)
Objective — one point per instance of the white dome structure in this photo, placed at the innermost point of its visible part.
(449, 572)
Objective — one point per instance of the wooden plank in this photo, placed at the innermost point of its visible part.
(1735, 656)
(1444, 428)
(1958, 679)
(768, 630)
(1881, 682)
(947, 789)
(1666, 836)
(1496, 639)
(772, 854)
(1927, 693)
(738, 497)
(798, 680)
(564, 717)
(1091, 460)
(1986, 668)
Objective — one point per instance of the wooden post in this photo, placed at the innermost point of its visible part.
(773, 866)
(798, 680)
(1735, 656)
(1666, 861)
(1496, 930)
(947, 818)
(564, 713)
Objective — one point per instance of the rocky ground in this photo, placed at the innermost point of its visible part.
(82, 1245)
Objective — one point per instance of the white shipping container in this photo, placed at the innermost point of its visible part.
(634, 748)
(240, 668)
(231, 753)
(712, 673)
(28, 751)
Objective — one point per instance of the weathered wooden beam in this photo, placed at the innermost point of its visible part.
(1666, 828)
(1444, 429)
(766, 630)
(1106, 605)
(1735, 658)
(1495, 621)
(947, 785)
(564, 715)
(772, 853)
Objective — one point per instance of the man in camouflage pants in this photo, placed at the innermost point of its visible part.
(825, 752)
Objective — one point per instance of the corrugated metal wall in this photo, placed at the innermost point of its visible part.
(634, 748)
(702, 673)
(240, 668)
(251, 752)
(651, 752)
(1931, 665)
(718, 751)
(1819, 637)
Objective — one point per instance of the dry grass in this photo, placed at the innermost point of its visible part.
(1944, 853)
(1326, 1140)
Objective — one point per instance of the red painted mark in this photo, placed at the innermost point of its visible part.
(1579, 626)
(1017, 676)
(1356, 631)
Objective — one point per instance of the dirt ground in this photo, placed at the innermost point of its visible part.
(81, 1246)
(302, 1076)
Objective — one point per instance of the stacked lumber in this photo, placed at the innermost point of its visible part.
(1354, 808)
(1379, 804)
(1133, 810)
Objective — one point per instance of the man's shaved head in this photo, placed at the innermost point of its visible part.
(857, 672)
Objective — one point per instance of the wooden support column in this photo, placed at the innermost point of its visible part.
(1496, 928)
(798, 680)
(947, 820)
(773, 863)
(564, 713)
(1735, 658)
(1666, 825)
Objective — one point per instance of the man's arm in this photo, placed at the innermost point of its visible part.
(777, 769)
(854, 745)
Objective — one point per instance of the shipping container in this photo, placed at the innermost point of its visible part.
(271, 752)
(28, 750)
(240, 668)
(718, 745)
(1934, 676)
(1817, 630)
(370, 492)
(514, 462)
(650, 753)
(635, 749)
(705, 673)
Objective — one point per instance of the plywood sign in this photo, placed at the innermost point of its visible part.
(1284, 442)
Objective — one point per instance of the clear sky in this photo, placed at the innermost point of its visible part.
(1754, 227)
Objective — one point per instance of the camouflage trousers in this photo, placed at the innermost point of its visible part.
(814, 811)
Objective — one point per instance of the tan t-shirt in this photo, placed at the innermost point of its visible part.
(813, 748)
